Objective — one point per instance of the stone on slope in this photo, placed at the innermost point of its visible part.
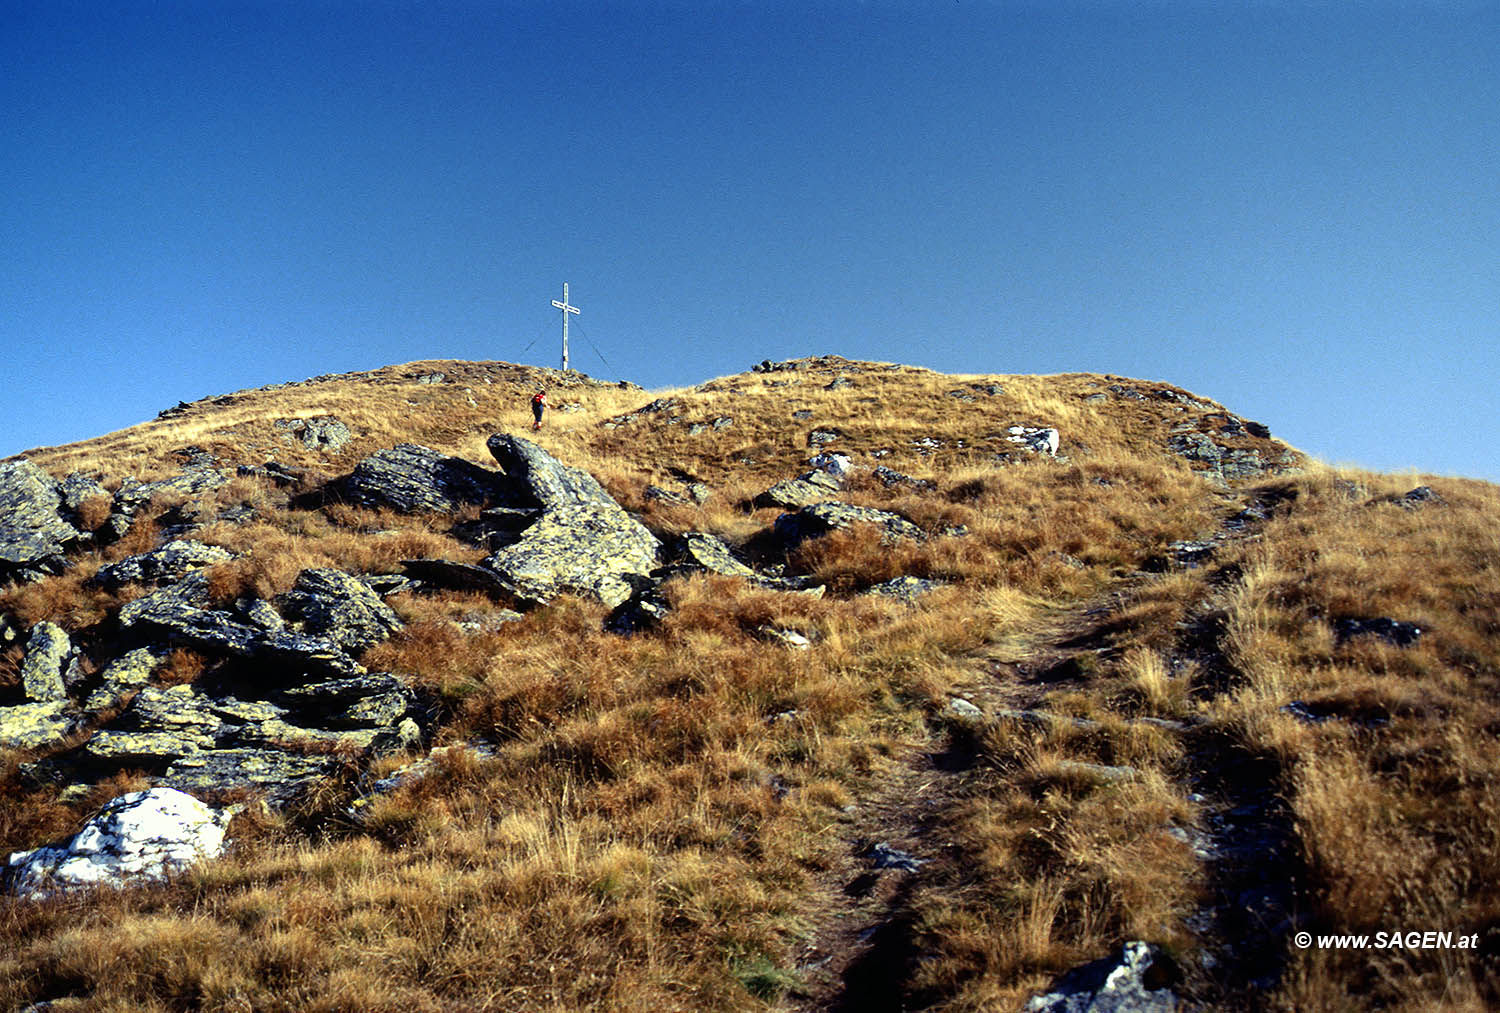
(453, 575)
(330, 603)
(907, 588)
(33, 534)
(33, 725)
(171, 562)
(410, 478)
(583, 542)
(1037, 439)
(182, 613)
(280, 775)
(47, 653)
(142, 836)
(197, 478)
(821, 518)
(325, 432)
(702, 551)
(1137, 981)
(812, 487)
(699, 550)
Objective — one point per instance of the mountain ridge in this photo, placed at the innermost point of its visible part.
(900, 690)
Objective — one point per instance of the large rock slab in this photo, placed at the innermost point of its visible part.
(123, 676)
(278, 774)
(171, 562)
(33, 534)
(330, 603)
(821, 518)
(410, 478)
(583, 542)
(180, 612)
(47, 653)
(813, 487)
(34, 725)
(142, 836)
(451, 574)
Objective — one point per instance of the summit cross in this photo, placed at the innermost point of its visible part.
(566, 309)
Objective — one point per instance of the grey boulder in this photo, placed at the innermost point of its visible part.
(582, 541)
(33, 534)
(42, 667)
(410, 478)
(813, 487)
(821, 518)
(171, 562)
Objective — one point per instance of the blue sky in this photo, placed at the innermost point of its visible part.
(1289, 207)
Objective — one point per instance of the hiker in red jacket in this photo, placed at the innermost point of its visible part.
(538, 404)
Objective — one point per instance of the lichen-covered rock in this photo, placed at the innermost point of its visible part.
(327, 433)
(171, 562)
(78, 488)
(410, 478)
(701, 551)
(812, 487)
(181, 613)
(42, 667)
(33, 725)
(369, 701)
(583, 542)
(278, 774)
(142, 836)
(907, 588)
(821, 518)
(330, 603)
(199, 477)
(33, 534)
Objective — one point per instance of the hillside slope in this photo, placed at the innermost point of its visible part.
(1072, 662)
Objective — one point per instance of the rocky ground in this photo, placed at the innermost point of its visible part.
(213, 674)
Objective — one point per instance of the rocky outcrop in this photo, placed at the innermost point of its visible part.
(142, 836)
(1222, 462)
(337, 614)
(332, 604)
(789, 494)
(33, 535)
(123, 676)
(582, 541)
(1037, 439)
(274, 740)
(907, 589)
(821, 518)
(171, 562)
(1139, 980)
(698, 550)
(42, 667)
(34, 725)
(410, 478)
(199, 477)
(453, 575)
(327, 433)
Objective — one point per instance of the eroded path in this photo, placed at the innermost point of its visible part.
(864, 947)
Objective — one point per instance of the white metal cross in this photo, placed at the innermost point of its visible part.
(566, 310)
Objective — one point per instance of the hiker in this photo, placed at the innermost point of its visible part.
(538, 404)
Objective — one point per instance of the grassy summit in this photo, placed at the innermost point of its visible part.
(1190, 727)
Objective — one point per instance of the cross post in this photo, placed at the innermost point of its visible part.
(566, 309)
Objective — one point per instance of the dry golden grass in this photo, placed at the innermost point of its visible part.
(658, 808)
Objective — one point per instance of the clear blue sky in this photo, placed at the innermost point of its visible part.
(1291, 207)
